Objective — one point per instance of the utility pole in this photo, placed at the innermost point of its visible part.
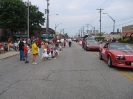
(94, 31)
(100, 21)
(47, 25)
(79, 33)
(83, 30)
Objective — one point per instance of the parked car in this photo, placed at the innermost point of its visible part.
(117, 54)
(91, 45)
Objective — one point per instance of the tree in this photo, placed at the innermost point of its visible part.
(36, 19)
(12, 15)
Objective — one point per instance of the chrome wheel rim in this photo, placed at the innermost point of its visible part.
(109, 61)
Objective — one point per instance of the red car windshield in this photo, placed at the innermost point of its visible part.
(117, 46)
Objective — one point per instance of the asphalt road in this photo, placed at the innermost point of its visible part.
(75, 74)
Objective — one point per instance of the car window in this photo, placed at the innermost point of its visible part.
(114, 46)
(90, 38)
(91, 42)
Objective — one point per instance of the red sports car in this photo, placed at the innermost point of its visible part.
(91, 45)
(117, 54)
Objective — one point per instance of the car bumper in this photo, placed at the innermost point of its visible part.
(95, 49)
(124, 64)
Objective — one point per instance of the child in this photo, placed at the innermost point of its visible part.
(48, 51)
(26, 48)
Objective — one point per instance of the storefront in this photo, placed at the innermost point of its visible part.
(18, 36)
(127, 31)
(49, 36)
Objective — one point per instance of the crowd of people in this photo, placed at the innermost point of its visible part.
(46, 49)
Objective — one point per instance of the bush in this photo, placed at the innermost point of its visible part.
(119, 39)
(126, 40)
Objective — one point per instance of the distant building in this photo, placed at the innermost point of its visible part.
(127, 31)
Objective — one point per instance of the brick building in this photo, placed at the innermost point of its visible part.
(127, 31)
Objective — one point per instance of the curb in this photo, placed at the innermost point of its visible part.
(9, 57)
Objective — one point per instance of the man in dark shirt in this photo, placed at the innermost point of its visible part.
(21, 49)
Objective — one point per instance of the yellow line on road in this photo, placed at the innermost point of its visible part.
(95, 54)
(125, 73)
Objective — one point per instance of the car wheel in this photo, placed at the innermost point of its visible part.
(100, 56)
(86, 49)
(110, 62)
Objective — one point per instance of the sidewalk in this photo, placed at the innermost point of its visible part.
(8, 54)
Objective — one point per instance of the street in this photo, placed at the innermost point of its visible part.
(75, 74)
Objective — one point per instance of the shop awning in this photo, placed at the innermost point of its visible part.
(49, 35)
(132, 34)
(129, 34)
(123, 34)
(23, 36)
(44, 35)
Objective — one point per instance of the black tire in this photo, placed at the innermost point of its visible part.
(110, 62)
(100, 56)
(86, 49)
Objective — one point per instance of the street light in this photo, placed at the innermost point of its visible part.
(113, 20)
(28, 4)
(56, 26)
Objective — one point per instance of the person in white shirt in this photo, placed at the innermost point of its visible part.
(70, 42)
(62, 42)
(16, 46)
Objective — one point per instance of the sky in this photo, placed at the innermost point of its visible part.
(73, 15)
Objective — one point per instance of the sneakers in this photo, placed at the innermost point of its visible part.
(27, 62)
(34, 63)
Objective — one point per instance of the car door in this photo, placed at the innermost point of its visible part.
(104, 51)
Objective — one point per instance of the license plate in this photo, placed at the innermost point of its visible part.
(131, 63)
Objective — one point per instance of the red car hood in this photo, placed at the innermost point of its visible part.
(127, 53)
(93, 45)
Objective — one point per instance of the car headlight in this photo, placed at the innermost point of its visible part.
(120, 57)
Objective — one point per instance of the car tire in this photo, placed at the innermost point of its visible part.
(86, 49)
(110, 62)
(100, 56)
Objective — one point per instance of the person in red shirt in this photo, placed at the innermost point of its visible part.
(9, 41)
(26, 48)
(39, 43)
(54, 40)
(83, 43)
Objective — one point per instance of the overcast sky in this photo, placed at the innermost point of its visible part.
(76, 14)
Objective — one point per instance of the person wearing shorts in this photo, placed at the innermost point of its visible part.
(34, 52)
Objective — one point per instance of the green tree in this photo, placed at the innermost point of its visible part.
(100, 34)
(36, 19)
(12, 15)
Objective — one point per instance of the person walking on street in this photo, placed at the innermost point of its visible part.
(21, 49)
(34, 52)
(70, 42)
(83, 43)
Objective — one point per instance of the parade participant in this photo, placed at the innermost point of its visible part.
(34, 52)
(69, 42)
(83, 43)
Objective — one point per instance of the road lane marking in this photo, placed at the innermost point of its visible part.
(125, 73)
(95, 54)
